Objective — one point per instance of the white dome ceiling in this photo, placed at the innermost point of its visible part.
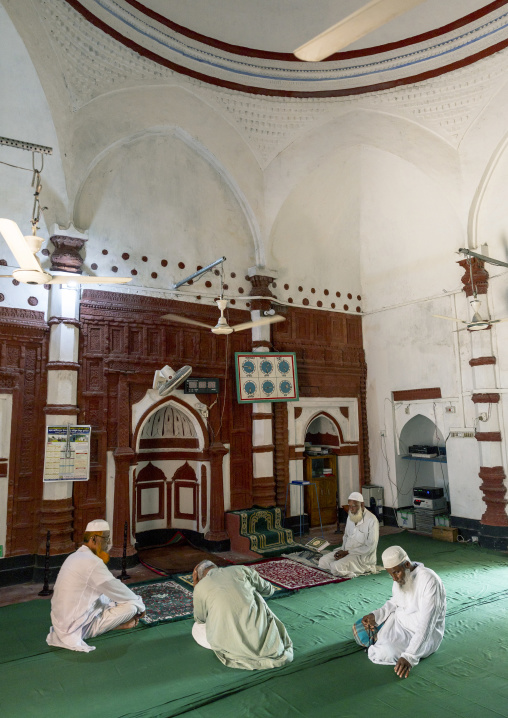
(247, 46)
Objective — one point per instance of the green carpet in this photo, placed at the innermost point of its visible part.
(157, 672)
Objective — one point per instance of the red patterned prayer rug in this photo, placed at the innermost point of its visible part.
(186, 578)
(292, 575)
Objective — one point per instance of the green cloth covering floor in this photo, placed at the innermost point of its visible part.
(157, 672)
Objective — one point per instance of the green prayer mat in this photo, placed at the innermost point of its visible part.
(263, 527)
(159, 671)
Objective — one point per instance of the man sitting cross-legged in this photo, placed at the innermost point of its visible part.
(232, 618)
(357, 555)
(88, 600)
(412, 620)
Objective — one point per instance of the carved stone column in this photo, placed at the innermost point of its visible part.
(57, 508)
(217, 531)
(123, 456)
(494, 522)
(281, 453)
(364, 456)
(263, 481)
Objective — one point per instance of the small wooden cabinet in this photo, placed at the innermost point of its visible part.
(322, 471)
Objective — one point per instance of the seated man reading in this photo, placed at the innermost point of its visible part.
(88, 600)
(410, 625)
(232, 618)
(357, 554)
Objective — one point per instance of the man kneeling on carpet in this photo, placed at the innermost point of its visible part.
(88, 600)
(357, 555)
(232, 618)
(410, 625)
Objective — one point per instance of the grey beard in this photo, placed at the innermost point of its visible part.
(407, 586)
(355, 518)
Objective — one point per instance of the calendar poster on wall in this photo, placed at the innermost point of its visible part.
(67, 456)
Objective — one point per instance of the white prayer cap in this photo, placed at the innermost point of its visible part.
(97, 525)
(394, 556)
(355, 496)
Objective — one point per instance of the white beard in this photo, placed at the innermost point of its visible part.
(408, 585)
(356, 518)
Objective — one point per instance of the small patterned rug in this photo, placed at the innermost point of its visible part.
(186, 578)
(292, 575)
(169, 600)
(164, 601)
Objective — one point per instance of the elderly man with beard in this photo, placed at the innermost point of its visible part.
(410, 625)
(357, 555)
(88, 600)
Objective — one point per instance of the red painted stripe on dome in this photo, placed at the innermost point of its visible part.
(289, 57)
(267, 92)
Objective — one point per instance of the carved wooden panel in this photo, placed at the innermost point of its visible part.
(24, 339)
(204, 497)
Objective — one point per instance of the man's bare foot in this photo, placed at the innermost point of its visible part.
(129, 624)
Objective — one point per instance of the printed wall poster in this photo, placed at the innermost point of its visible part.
(67, 456)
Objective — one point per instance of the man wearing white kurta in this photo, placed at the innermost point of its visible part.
(87, 599)
(413, 619)
(232, 618)
(357, 555)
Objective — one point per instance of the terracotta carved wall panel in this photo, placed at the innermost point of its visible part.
(24, 340)
(122, 345)
(330, 360)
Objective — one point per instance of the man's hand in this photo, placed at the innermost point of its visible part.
(402, 668)
(340, 554)
(369, 621)
(141, 615)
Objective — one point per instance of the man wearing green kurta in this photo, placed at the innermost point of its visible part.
(232, 618)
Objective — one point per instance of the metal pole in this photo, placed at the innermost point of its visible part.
(124, 575)
(46, 590)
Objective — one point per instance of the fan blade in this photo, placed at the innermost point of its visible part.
(450, 319)
(6, 276)
(18, 245)
(258, 323)
(360, 23)
(496, 321)
(80, 279)
(183, 320)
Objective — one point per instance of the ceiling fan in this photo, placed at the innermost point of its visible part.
(353, 27)
(477, 322)
(222, 326)
(30, 271)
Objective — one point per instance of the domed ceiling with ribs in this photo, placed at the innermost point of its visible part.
(248, 45)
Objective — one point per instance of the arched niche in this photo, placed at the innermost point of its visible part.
(411, 472)
(323, 430)
(173, 469)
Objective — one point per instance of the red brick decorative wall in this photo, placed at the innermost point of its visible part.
(330, 361)
(24, 339)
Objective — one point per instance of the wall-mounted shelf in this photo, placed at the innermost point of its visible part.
(435, 459)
